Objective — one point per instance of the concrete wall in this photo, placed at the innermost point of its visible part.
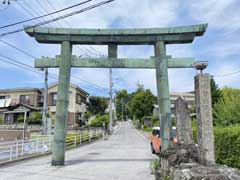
(12, 135)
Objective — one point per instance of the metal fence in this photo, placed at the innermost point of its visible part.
(39, 144)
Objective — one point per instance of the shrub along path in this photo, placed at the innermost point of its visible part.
(227, 145)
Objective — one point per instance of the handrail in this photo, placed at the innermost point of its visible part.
(40, 144)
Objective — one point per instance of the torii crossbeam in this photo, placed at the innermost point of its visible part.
(159, 37)
(114, 62)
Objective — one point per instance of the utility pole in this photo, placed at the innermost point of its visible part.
(122, 109)
(115, 108)
(112, 53)
(24, 125)
(110, 102)
(45, 104)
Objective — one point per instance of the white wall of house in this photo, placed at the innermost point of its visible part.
(74, 107)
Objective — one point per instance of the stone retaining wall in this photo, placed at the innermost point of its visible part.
(181, 162)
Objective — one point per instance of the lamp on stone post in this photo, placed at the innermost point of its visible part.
(205, 136)
(200, 65)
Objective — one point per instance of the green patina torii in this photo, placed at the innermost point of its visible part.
(158, 37)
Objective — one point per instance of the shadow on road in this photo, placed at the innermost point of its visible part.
(71, 162)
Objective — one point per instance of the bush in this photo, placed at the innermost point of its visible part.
(98, 121)
(20, 118)
(35, 118)
(155, 120)
(227, 145)
(1, 120)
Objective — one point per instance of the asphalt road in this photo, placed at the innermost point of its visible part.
(124, 156)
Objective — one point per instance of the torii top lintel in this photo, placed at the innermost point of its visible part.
(149, 36)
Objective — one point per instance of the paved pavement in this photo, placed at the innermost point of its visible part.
(124, 156)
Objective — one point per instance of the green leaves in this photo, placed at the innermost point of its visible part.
(215, 92)
(35, 118)
(98, 121)
(141, 104)
(227, 145)
(97, 105)
(135, 105)
(226, 110)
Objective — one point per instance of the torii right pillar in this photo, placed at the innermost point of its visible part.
(204, 119)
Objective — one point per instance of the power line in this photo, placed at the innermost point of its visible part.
(33, 10)
(31, 68)
(59, 18)
(18, 65)
(63, 19)
(24, 52)
(25, 9)
(23, 64)
(228, 74)
(227, 26)
(55, 9)
(45, 15)
(45, 11)
(34, 57)
(4, 9)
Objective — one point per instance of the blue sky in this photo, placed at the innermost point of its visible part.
(219, 46)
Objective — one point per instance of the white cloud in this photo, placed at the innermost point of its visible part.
(219, 13)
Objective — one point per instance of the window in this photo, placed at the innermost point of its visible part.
(79, 116)
(4, 97)
(54, 99)
(25, 99)
(83, 100)
(78, 99)
(9, 119)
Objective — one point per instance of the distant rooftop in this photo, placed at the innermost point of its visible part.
(73, 85)
(22, 89)
(182, 94)
(19, 89)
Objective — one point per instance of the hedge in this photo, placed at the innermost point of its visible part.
(98, 121)
(227, 145)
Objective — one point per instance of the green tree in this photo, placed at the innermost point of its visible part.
(226, 110)
(97, 105)
(141, 104)
(216, 92)
(122, 98)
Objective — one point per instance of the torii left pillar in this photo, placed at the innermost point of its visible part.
(58, 149)
(161, 64)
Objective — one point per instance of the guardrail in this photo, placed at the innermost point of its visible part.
(38, 145)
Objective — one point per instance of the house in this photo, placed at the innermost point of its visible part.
(78, 99)
(15, 102)
(189, 97)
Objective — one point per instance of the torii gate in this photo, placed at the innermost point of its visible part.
(158, 37)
